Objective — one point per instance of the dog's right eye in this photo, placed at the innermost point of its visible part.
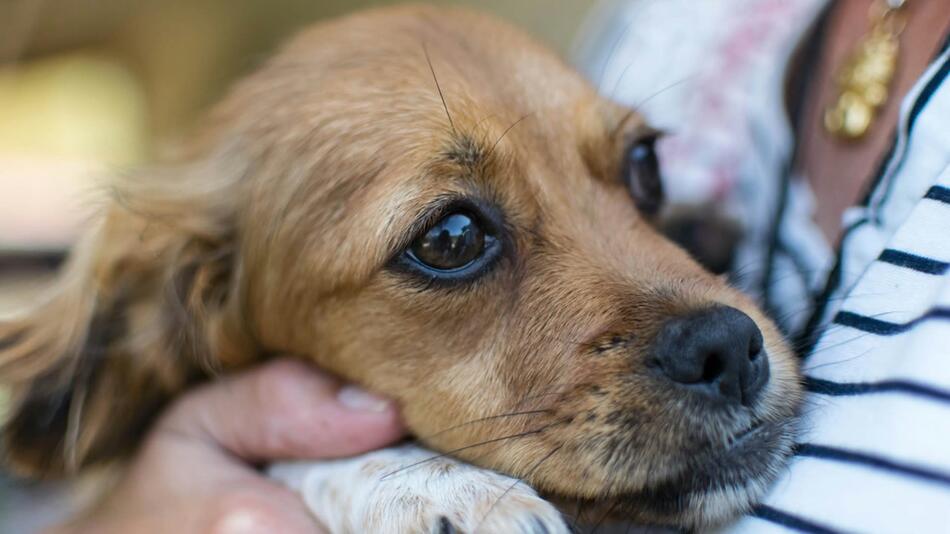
(457, 247)
(451, 244)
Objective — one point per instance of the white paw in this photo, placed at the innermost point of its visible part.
(404, 490)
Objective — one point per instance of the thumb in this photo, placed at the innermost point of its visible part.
(285, 410)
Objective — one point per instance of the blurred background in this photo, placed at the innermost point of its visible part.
(91, 87)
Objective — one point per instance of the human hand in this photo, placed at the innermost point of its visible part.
(195, 471)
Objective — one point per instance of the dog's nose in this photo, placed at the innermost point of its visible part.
(717, 352)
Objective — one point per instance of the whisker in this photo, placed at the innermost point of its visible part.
(638, 107)
(610, 55)
(814, 339)
(535, 411)
(483, 120)
(623, 73)
(438, 87)
(482, 420)
(600, 521)
(804, 342)
(581, 510)
(468, 447)
(531, 472)
(503, 134)
(559, 391)
(791, 313)
(613, 49)
(812, 368)
(840, 343)
(549, 393)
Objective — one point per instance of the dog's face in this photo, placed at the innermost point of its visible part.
(430, 204)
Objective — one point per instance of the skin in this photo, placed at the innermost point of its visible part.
(194, 474)
(824, 156)
(280, 229)
(223, 452)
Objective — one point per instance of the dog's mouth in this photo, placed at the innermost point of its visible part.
(714, 486)
(749, 432)
(717, 485)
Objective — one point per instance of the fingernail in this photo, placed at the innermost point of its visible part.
(359, 399)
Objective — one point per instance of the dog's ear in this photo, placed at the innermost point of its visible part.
(145, 304)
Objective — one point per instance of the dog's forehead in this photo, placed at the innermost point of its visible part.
(390, 60)
(390, 84)
(354, 116)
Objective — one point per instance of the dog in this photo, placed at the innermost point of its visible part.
(429, 203)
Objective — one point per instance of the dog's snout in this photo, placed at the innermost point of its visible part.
(717, 352)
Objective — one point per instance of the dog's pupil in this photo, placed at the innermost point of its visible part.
(642, 174)
(453, 242)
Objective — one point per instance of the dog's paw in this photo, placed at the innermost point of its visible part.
(409, 489)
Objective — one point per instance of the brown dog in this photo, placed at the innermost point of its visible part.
(429, 203)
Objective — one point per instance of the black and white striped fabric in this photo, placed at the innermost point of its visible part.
(874, 454)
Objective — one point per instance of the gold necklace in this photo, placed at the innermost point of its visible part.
(863, 82)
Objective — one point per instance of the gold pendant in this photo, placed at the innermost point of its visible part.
(864, 80)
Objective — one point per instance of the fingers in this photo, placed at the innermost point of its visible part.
(258, 512)
(284, 410)
(252, 507)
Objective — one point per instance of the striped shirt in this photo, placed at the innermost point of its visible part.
(874, 454)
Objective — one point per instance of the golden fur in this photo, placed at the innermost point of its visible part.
(274, 233)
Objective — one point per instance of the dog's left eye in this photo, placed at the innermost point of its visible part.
(641, 174)
(454, 243)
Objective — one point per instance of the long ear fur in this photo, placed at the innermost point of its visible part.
(147, 303)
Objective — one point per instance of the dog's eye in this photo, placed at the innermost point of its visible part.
(463, 244)
(641, 173)
(451, 244)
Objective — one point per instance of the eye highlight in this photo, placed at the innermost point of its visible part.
(452, 243)
(460, 246)
(641, 174)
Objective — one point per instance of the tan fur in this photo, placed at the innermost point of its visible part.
(273, 233)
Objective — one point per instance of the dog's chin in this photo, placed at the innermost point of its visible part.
(714, 487)
(717, 486)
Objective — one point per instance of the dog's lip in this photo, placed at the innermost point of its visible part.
(719, 481)
(722, 463)
(746, 433)
(746, 460)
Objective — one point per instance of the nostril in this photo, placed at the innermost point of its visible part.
(713, 368)
(755, 347)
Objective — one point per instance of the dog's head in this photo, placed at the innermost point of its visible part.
(429, 203)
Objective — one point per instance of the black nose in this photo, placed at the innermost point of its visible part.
(717, 352)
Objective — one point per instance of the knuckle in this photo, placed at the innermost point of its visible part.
(279, 374)
(287, 387)
(177, 417)
(242, 512)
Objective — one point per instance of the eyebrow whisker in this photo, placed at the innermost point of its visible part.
(503, 134)
(438, 87)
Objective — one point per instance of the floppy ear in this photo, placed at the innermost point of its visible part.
(145, 305)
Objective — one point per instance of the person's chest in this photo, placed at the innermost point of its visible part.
(838, 169)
